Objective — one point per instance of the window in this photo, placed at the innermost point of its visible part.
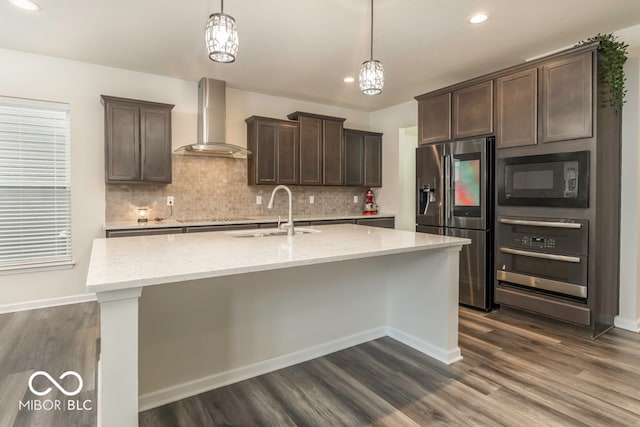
(35, 184)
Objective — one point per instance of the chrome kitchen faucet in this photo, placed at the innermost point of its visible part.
(288, 225)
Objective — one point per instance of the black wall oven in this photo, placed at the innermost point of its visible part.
(554, 180)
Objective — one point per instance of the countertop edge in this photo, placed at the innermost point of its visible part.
(127, 284)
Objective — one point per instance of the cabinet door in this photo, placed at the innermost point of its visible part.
(287, 157)
(434, 119)
(146, 232)
(265, 155)
(377, 222)
(373, 161)
(155, 143)
(122, 137)
(310, 150)
(473, 110)
(333, 153)
(353, 158)
(566, 99)
(517, 121)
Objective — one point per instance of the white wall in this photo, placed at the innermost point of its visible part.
(407, 143)
(79, 84)
(242, 104)
(389, 121)
(629, 317)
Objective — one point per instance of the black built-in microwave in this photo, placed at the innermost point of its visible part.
(555, 180)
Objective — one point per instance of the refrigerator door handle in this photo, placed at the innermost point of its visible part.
(449, 189)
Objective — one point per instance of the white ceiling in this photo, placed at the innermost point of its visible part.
(304, 48)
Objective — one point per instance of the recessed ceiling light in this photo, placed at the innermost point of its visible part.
(478, 18)
(25, 4)
(349, 80)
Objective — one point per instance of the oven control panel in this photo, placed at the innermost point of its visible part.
(538, 242)
(554, 235)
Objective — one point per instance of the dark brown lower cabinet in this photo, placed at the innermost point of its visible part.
(144, 232)
(386, 222)
(363, 158)
(377, 222)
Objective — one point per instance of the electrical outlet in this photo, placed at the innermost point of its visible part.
(258, 200)
(312, 200)
(355, 198)
(169, 200)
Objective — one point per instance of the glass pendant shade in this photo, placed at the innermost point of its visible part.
(372, 72)
(371, 77)
(221, 37)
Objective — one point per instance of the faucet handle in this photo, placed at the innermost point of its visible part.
(279, 221)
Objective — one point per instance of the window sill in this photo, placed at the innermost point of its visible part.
(34, 268)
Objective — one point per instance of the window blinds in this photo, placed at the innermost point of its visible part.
(35, 184)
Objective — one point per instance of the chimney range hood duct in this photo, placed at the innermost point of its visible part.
(211, 123)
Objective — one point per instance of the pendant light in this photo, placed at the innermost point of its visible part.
(221, 36)
(372, 72)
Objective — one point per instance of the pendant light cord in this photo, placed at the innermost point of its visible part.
(221, 6)
(371, 30)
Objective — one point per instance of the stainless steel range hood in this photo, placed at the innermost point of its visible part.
(211, 123)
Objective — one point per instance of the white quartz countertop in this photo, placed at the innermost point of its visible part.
(130, 262)
(169, 223)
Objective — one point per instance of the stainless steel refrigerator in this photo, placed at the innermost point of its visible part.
(455, 198)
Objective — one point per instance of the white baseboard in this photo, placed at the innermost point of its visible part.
(629, 325)
(45, 303)
(201, 385)
(447, 357)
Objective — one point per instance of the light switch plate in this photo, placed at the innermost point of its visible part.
(312, 200)
(355, 198)
(258, 200)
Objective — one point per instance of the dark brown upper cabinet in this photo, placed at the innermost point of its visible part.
(333, 153)
(566, 103)
(310, 150)
(434, 119)
(363, 158)
(517, 109)
(274, 145)
(321, 148)
(473, 110)
(353, 157)
(137, 141)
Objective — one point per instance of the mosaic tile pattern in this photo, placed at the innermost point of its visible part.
(212, 187)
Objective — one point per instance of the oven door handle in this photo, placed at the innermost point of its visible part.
(551, 224)
(564, 258)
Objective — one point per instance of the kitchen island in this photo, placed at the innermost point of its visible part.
(235, 307)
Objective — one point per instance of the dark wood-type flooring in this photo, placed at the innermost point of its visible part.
(513, 374)
(54, 340)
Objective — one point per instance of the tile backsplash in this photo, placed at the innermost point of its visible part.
(213, 187)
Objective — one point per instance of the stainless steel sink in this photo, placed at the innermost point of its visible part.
(264, 232)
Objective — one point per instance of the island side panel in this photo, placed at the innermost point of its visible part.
(200, 335)
(118, 374)
(423, 302)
